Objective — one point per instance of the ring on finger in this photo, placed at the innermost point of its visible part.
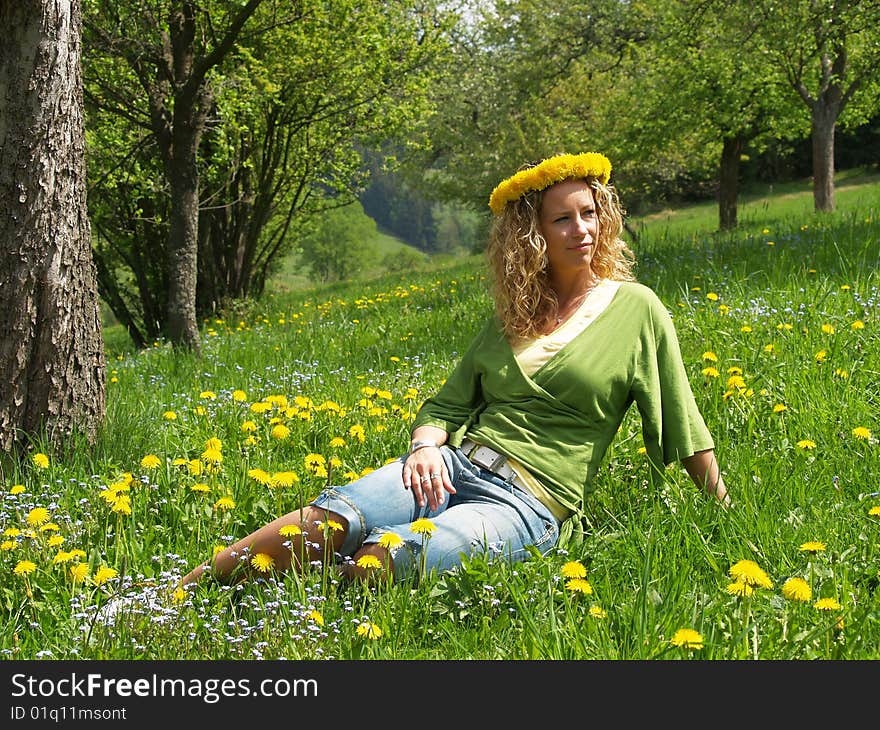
(425, 479)
(434, 475)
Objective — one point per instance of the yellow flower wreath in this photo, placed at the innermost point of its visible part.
(546, 173)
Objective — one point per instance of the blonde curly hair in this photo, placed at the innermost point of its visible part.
(525, 302)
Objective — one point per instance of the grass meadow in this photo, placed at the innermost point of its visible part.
(778, 324)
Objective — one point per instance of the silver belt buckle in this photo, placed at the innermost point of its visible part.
(489, 459)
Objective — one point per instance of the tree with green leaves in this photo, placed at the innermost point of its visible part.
(170, 49)
(302, 91)
(699, 101)
(828, 51)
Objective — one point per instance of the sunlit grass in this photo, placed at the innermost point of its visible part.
(778, 326)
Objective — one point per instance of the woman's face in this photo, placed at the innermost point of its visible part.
(570, 226)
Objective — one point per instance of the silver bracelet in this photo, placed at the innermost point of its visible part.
(416, 445)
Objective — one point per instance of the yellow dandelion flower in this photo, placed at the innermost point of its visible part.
(779, 408)
(598, 612)
(748, 571)
(263, 562)
(317, 617)
(812, 547)
(260, 476)
(169, 416)
(827, 604)
(195, 467)
(79, 572)
(712, 296)
(357, 432)
(7, 545)
(239, 395)
(687, 639)
(37, 516)
(369, 562)
(224, 503)
(390, 540)
(24, 567)
(179, 595)
(314, 462)
(337, 442)
(797, 589)
(828, 329)
(62, 556)
(213, 456)
(207, 395)
(150, 461)
(279, 432)
(200, 487)
(821, 356)
(284, 479)
(579, 585)
(874, 511)
(248, 427)
(423, 526)
(16, 489)
(710, 372)
(331, 525)
(290, 531)
(121, 505)
(862, 433)
(857, 325)
(56, 540)
(11, 532)
(806, 444)
(739, 588)
(574, 569)
(103, 574)
(745, 328)
(41, 461)
(841, 373)
(369, 630)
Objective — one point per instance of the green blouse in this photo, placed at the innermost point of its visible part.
(559, 422)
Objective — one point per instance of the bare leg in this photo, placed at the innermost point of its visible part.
(284, 550)
(370, 574)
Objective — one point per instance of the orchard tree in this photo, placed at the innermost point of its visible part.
(51, 346)
(698, 102)
(170, 49)
(828, 51)
(305, 89)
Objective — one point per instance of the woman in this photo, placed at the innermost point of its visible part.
(504, 453)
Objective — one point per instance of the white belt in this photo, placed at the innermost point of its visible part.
(491, 460)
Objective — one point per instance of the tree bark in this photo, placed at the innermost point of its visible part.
(728, 182)
(52, 363)
(823, 120)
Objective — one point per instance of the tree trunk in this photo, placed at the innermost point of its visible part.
(824, 120)
(52, 364)
(183, 246)
(728, 182)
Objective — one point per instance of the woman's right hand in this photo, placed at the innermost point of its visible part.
(425, 473)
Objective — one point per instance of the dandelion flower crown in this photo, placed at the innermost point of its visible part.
(546, 173)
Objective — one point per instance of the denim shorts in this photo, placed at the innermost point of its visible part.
(485, 515)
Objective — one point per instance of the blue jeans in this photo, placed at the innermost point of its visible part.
(485, 515)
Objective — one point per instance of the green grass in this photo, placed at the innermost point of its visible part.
(328, 361)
